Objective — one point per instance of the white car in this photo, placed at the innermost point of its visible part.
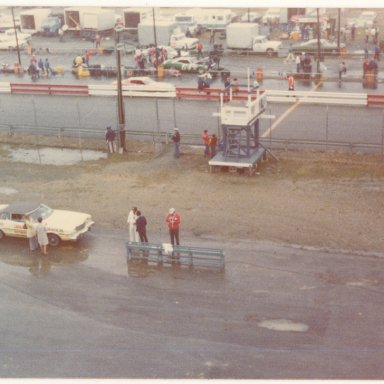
(10, 42)
(10, 33)
(146, 84)
(61, 225)
(261, 44)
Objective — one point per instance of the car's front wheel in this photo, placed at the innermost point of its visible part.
(1, 234)
(53, 239)
(270, 52)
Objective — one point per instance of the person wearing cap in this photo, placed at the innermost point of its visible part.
(131, 220)
(176, 140)
(173, 220)
(110, 138)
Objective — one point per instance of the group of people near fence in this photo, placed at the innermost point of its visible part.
(137, 226)
(39, 68)
(210, 144)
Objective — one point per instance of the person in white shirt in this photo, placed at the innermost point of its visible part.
(133, 234)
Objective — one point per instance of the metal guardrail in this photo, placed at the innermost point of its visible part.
(183, 255)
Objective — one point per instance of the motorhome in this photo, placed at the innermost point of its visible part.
(186, 22)
(211, 18)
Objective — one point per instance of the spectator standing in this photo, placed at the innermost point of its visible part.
(110, 136)
(41, 67)
(173, 220)
(199, 48)
(205, 138)
(291, 83)
(213, 144)
(47, 66)
(31, 234)
(131, 220)
(141, 224)
(42, 237)
(377, 53)
(235, 86)
(342, 70)
(290, 57)
(176, 140)
(97, 41)
(298, 63)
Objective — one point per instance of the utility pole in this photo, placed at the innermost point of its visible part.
(318, 41)
(120, 100)
(338, 28)
(155, 39)
(17, 40)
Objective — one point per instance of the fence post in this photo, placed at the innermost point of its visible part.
(326, 129)
(382, 138)
(79, 133)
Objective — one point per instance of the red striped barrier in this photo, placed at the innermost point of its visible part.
(49, 89)
(375, 100)
(212, 94)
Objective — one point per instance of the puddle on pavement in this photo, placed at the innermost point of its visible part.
(53, 156)
(15, 253)
(283, 325)
(7, 191)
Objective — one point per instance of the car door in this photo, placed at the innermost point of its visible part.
(17, 225)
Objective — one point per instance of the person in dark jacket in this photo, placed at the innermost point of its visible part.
(141, 224)
(110, 136)
(176, 140)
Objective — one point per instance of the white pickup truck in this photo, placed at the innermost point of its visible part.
(180, 41)
(260, 44)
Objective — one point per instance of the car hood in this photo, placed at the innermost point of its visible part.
(66, 220)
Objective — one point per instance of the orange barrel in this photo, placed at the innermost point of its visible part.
(259, 74)
(17, 68)
(160, 71)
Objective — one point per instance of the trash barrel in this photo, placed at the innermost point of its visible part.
(18, 69)
(160, 71)
(259, 74)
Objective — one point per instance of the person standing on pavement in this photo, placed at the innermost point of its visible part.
(199, 48)
(173, 220)
(131, 220)
(110, 136)
(141, 224)
(291, 83)
(212, 145)
(42, 237)
(176, 140)
(298, 63)
(205, 138)
(31, 234)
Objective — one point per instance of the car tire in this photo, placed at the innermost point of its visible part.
(53, 240)
(200, 71)
(2, 235)
(270, 52)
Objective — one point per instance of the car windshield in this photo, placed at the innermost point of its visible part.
(42, 211)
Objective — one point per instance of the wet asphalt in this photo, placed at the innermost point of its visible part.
(277, 311)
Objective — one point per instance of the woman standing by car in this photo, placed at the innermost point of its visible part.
(31, 234)
(42, 237)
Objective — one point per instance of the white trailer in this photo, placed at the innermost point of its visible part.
(31, 20)
(164, 31)
(132, 17)
(211, 18)
(98, 20)
(240, 35)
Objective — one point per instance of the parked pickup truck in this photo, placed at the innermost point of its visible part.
(260, 44)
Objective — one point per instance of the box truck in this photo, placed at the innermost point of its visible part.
(30, 21)
(164, 31)
(246, 36)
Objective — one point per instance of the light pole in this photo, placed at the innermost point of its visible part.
(120, 100)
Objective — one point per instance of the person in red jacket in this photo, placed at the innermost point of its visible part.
(173, 221)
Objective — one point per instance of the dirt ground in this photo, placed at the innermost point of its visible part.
(326, 200)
